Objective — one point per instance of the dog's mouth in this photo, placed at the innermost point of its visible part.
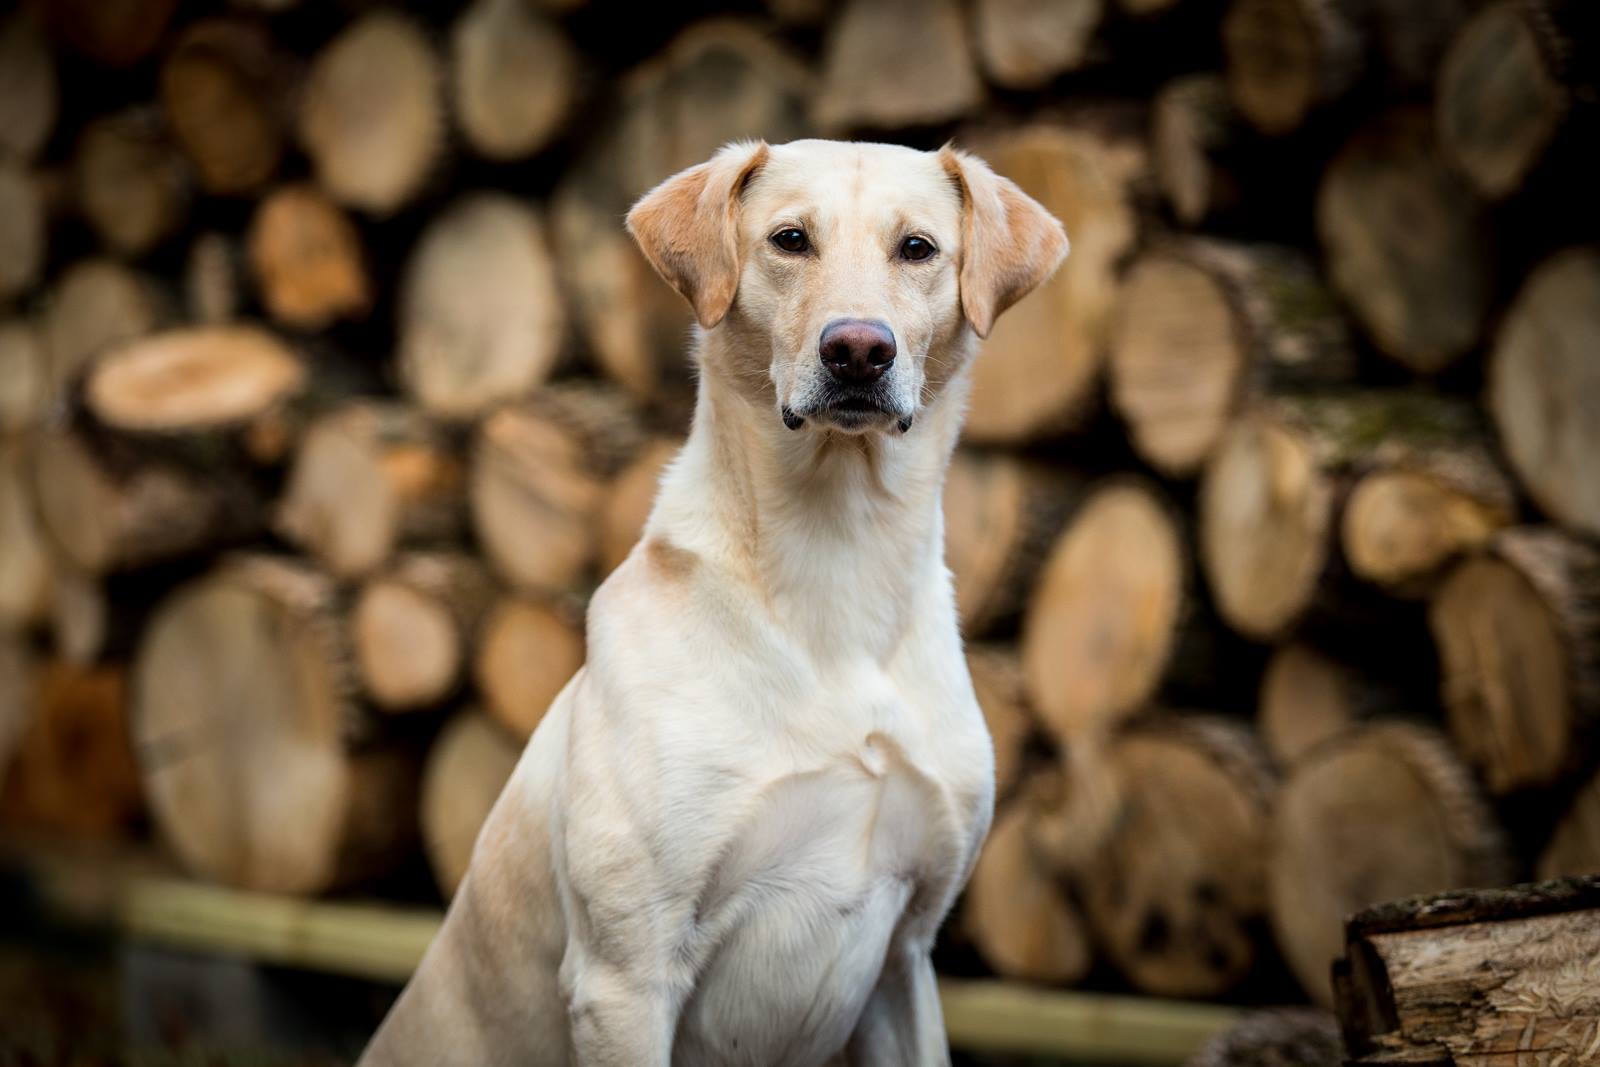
(854, 411)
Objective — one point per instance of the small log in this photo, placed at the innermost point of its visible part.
(534, 499)
(23, 236)
(717, 82)
(1194, 128)
(306, 259)
(1491, 976)
(1041, 364)
(1308, 698)
(220, 89)
(211, 280)
(1518, 632)
(73, 770)
(96, 304)
(367, 478)
(1201, 327)
(466, 769)
(527, 652)
(371, 113)
(1406, 244)
(997, 681)
(1001, 515)
(1024, 44)
(1286, 58)
(1382, 812)
(413, 626)
(1276, 1037)
(130, 182)
(26, 389)
(26, 568)
(29, 101)
(513, 76)
(1543, 392)
(1017, 913)
(875, 63)
(1177, 889)
(481, 319)
(247, 739)
(116, 33)
(1574, 847)
(193, 380)
(1104, 613)
(629, 498)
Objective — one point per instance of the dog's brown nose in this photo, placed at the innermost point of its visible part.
(857, 351)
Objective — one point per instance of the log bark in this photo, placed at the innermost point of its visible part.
(513, 77)
(996, 672)
(1383, 812)
(1024, 44)
(220, 88)
(117, 33)
(26, 387)
(1493, 976)
(629, 498)
(534, 500)
(1194, 129)
(1001, 515)
(372, 114)
(1574, 847)
(1518, 632)
(467, 767)
(250, 749)
(1202, 326)
(96, 304)
(307, 260)
(527, 652)
(1177, 889)
(130, 181)
(366, 479)
(1104, 613)
(1406, 243)
(26, 568)
(23, 237)
(719, 81)
(875, 62)
(481, 319)
(29, 101)
(1286, 58)
(1040, 366)
(211, 280)
(1543, 389)
(414, 625)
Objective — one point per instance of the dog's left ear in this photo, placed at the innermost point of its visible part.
(1010, 243)
(688, 228)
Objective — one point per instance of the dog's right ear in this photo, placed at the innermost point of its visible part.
(688, 228)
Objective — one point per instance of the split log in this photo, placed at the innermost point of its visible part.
(481, 319)
(249, 747)
(22, 230)
(108, 504)
(1001, 515)
(527, 652)
(1276, 1037)
(73, 770)
(193, 380)
(1024, 44)
(211, 280)
(719, 81)
(513, 75)
(1574, 848)
(1383, 812)
(220, 89)
(1543, 389)
(997, 681)
(1406, 243)
(534, 499)
(467, 767)
(629, 499)
(306, 259)
(26, 393)
(413, 626)
(875, 64)
(26, 570)
(1201, 327)
(28, 97)
(1101, 623)
(1018, 914)
(1194, 128)
(1518, 631)
(130, 181)
(366, 479)
(1040, 366)
(117, 33)
(1308, 698)
(96, 304)
(371, 113)
(1177, 889)
(1285, 58)
(1492, 976)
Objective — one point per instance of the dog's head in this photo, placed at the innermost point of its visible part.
(850, 272)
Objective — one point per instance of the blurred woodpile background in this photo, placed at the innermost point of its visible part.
(330, 385)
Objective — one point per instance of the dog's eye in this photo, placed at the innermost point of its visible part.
(916, 248)
(791, 239)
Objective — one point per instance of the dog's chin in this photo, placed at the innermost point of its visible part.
(851, 415)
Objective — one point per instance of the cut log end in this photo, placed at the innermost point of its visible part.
(466, 770)
(307, 259)
(412, 627)
(1026, 45)
(1285, 58)
(527, 653)
(875, 59)
(629, 499)
(997, 682)
(1402, 525)
(130, 181)
(220, 87)
(513, 76)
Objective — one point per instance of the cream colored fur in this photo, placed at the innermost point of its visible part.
(733, 836)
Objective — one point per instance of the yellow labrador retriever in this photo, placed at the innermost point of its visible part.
(735, 833)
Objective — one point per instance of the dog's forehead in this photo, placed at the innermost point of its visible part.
(840, 175)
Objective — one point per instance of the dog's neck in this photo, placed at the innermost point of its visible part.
(841, 536)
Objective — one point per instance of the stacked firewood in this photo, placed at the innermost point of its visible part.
(331, 385)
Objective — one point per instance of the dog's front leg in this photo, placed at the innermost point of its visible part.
(618, 1020)
(903, 1024)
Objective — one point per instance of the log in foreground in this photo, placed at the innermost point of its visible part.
(1485, 977)
(467, 767)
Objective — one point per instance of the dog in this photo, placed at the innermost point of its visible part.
(732, 838)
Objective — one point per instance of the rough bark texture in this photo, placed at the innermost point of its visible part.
(1278, 1037)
